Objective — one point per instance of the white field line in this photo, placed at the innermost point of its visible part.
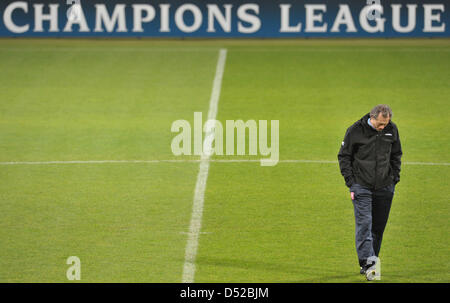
(193, 161)
(294, 49)
(202, 177)
(342, 50)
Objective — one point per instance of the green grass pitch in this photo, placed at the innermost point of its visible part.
(84, 100)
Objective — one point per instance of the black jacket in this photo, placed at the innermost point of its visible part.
(370, 158)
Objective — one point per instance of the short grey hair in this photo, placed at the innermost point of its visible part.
(384, 109)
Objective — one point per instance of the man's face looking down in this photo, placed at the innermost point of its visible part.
(380, 122)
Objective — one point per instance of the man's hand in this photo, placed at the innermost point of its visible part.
(352, 195)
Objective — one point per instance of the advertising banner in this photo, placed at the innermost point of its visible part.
(221, 19)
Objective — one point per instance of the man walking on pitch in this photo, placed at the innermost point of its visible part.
(370, 160)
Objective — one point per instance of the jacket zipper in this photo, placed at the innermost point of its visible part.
(376, 159)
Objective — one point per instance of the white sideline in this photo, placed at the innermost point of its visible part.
(194, 161)
(202, 177)
(256, 49)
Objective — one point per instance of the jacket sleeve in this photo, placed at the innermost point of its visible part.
(345, 157)
(396, 155)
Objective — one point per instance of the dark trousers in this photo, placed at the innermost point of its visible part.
(371, 215)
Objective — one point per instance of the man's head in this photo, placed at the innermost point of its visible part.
(380, 116)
